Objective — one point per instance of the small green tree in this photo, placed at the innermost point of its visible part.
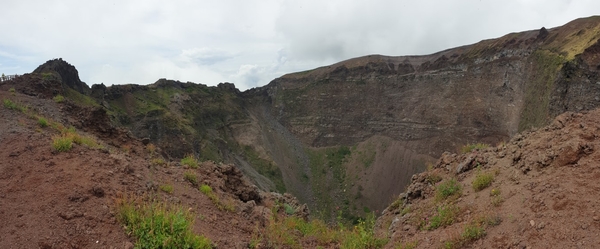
(3, 77)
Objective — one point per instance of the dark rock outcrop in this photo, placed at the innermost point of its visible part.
(67, 72)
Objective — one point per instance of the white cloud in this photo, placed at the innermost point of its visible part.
(205, 56)
(250, 42)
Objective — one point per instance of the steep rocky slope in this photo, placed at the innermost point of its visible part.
(347, 137)
(53, 198)
(539, 189)
(485, 92)
(541, 192)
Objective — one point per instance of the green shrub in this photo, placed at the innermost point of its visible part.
(447, 189)
(72, 134)
(58, 98)
(205, 189)
(396, 204)
(191, 177)
(12, 91)
(9, 104)
(445, 216)
(14, 106)
(496, 198)
(471, 147)
(89, 142)
(294, 232)
(363, 235)
(158, 162)
(42, 122)
(62, 143)
(190, 161)
(166, 188)
(160, 226)
(473, 232)
(433, 178)
(289, 210)
(47, 76)
(482, 180)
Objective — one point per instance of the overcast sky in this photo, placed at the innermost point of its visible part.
(250, 42)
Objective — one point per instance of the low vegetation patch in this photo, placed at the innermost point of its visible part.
(62, 143)
(362, 235)
(167, 188)
(445, 216)
(158, 162)
(47, 76)
(447, 189)
(156, 225)
(207, 190)
(408, 245)
(289, 210)
(471, 147)
(42, 122)
(72, 134)
(12, 91)
(433, 178)
(190, 161)
(292, 231)
(496, 197)
(191, 177)
(14, 106)
(482, 181)
(396, 204)
(58, 99)
(472, 232)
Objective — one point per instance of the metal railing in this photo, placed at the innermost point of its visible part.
(8, 77)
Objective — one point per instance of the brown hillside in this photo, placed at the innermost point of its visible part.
(51, 199)
(545, 193)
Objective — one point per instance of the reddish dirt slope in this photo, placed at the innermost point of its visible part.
(549, 192)
(67, 200)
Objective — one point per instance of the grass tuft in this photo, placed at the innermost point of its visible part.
(167, 188)
(447, 189)
(496, 198)
(482, 181)
(445, 216)
(14, 106)
(62, 143)
(58, 99)
(157, 225)
(158, 162)
(190, 161)
(42, 122)
(471, 147)
(191, 177)
(433, 178)
(363, 235)
(292, 231)
(207, 190)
